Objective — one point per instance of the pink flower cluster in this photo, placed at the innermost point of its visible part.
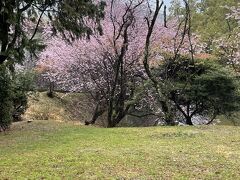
(88, 65)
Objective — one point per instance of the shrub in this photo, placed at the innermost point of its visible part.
(23, 83)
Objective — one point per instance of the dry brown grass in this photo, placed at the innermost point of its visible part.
(41, 107)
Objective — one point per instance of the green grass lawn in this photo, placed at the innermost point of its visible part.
(53, 150)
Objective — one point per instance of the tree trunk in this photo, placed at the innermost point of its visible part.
(168, 117)
(51, 90)
(98, 112)
(110, 124)
(189, 121)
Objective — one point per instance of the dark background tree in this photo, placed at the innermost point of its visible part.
(6, 104)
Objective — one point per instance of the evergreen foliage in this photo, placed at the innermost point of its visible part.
(203, 88)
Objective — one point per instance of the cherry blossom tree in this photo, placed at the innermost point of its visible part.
(110, 68)
(105, 66)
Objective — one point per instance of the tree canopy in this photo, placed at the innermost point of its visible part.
(209, 18)
(20, 21)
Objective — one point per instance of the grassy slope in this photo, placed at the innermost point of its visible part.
(63, 107)
(53, 150)
(41, 107)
